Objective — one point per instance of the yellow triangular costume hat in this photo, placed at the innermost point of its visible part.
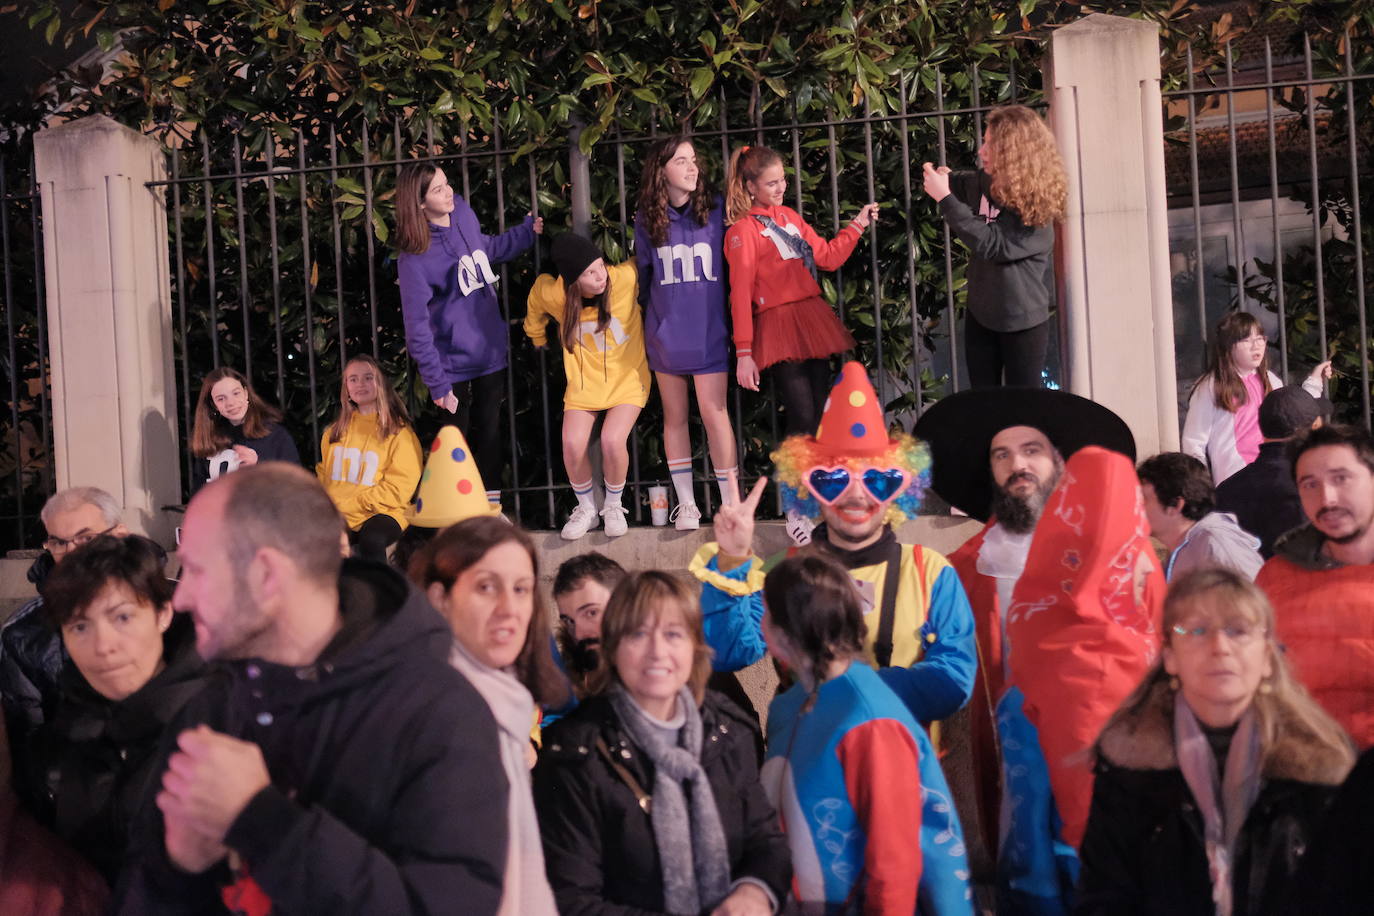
(451, 487)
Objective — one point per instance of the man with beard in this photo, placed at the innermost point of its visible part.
(1066, 593)
(581, 588)
(1321, 577)
(339, 762)
(860, 482)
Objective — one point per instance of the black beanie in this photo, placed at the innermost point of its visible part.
(573, 254)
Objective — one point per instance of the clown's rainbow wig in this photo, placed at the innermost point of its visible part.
(799, 455)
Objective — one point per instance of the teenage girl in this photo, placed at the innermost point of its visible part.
(602, 333)
(1222, 426)
(454, 329)
(371, 458)
(679, 234)
(781, 322)
(1005, 214)
(235, 428)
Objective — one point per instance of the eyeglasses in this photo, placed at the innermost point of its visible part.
(61, 545)
(829, 484)
(1238, 632)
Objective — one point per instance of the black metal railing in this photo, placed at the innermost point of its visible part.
(282, 263)
(1274, 137)
(26, 470)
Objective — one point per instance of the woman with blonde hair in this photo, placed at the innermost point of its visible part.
(234, 427)
(648, 793)
(1213, 775)
(1005, 213)
(370, 459)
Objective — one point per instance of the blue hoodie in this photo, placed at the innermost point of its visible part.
(454, 329)
(682, 292)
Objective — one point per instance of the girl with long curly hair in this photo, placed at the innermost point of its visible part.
(679, 239)
(1005, 213)
(370, 459)
(1221, 428)
(234, 427)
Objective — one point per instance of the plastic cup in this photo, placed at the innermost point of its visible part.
(658, 505)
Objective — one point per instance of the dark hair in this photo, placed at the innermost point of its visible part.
(1227, 387)
(811, 598)
(412, 228)
(283, 507)
(133, 562)
(590, 565)
(211, 433)
(652, 213)
(1353, 437)
(1175, 476)
(637, 600)
(570, 328)
(458, 547)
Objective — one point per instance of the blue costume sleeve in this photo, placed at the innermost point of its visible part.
(940, 683)
(731, 609)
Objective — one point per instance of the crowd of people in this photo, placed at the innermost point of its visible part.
(1166, 670)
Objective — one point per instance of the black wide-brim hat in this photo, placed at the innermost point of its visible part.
(959, 430)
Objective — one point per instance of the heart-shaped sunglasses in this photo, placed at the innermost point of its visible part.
(829, 484)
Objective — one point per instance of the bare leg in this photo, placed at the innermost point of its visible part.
(577, 432)
(615, 430)
(711, 402)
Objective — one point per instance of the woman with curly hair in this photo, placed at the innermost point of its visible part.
(1005, 213)
(679, 238)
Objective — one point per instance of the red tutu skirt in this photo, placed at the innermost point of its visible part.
(808, 329)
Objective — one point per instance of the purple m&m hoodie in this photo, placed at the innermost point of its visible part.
(682, 292)
(454, 329)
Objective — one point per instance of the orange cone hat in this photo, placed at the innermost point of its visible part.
(450, 488)
(852, 424)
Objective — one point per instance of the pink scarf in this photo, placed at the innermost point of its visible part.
(1224, 802)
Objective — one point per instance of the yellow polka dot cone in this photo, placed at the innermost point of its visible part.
(852, 422)
(450, 487)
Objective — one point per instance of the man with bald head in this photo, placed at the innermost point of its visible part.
(1066, 593)
(340, 758)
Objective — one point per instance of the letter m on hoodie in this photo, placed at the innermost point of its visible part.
(685, 258)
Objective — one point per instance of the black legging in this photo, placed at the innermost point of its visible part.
(1020, 354)
(374, 536)
(479, 417)
(802, 386)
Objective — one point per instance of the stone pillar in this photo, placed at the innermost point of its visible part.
(109, 317)
(1117, 302)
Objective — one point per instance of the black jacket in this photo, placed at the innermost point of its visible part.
(599, 845)
(31, 659)
(1263, 497)
(1335, 877)
(1143, 852)
(387, 794)
(92, 766)
(277, 445)
(1011, 274)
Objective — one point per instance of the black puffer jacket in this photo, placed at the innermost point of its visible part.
(387, 793)
(1335, 877)
(1143, 852)
(599, 844)
(93, 765)
(31, 659)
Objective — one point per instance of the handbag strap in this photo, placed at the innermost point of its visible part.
(800, 247)
(644, 798)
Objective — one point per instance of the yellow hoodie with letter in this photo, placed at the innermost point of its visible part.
(367, 475)
(607, 368)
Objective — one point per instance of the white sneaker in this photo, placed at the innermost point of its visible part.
(582, 520)
(616, 525)
(686, 517)
(799, 528)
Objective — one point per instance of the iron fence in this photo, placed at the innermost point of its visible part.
(1265, 159)
(26, 472)
(282, 263)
